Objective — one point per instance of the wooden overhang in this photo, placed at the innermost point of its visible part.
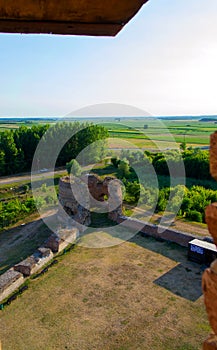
(72, 17)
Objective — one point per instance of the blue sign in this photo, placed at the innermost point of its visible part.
(196, 249)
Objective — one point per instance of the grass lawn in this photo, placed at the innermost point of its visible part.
(138, 295)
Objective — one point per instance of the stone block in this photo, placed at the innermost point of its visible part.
(35, 262)
(60, 240)
(210, 343)
(9, 282)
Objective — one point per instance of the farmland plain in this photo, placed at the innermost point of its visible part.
(141, 294)
(141, 132)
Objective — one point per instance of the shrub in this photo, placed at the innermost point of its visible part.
(194, 215)
(115, 162)
(44, 188)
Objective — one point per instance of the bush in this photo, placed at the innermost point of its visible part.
(115, 161)
(49, 199)
(194, 215)
(44, 188)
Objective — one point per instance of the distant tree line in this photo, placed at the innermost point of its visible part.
(17, 147)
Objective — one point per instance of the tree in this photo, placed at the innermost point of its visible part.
(73, 168)
(2, 163)
(123, 168)
(17, 148)
(183, 146)
(8, 146)
(133, 189)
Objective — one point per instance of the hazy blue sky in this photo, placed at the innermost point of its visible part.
(164, 61)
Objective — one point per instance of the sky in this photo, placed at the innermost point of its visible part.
(164, 62)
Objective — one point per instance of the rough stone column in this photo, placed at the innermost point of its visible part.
(209, 280)
(210, 343)
(115, 200)
(74, 202)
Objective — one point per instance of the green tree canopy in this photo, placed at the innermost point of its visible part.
(73, 167)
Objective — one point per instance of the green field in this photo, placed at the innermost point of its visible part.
(166, 133)
(194, 133)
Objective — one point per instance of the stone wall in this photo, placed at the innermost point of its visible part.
(34, 262)
(157, 232)
(60, 240)
(12, 279)
(74, 202)
(77, 196)
(9, 282)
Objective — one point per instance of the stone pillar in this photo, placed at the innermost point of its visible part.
(209, 280)
(213, 155)
(210, 343)
(115, 200)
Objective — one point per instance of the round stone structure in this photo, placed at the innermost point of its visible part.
(78, 196)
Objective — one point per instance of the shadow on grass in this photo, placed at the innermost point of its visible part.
(100, 220)
(184, 279)
(18, 248)
(105, 170)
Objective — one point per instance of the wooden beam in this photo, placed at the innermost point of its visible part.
(78, 17)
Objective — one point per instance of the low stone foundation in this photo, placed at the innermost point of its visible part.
(34, 262)
(9, 282)
(157, 232)
(59, 241)
(15, 277)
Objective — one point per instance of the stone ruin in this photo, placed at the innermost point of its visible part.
(78, 195)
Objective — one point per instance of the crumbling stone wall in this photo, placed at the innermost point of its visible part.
(77, 196)
(60, 240)
(9, 282)
(12, 279)
(156, 231)
(74, 202)
(35, 262)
